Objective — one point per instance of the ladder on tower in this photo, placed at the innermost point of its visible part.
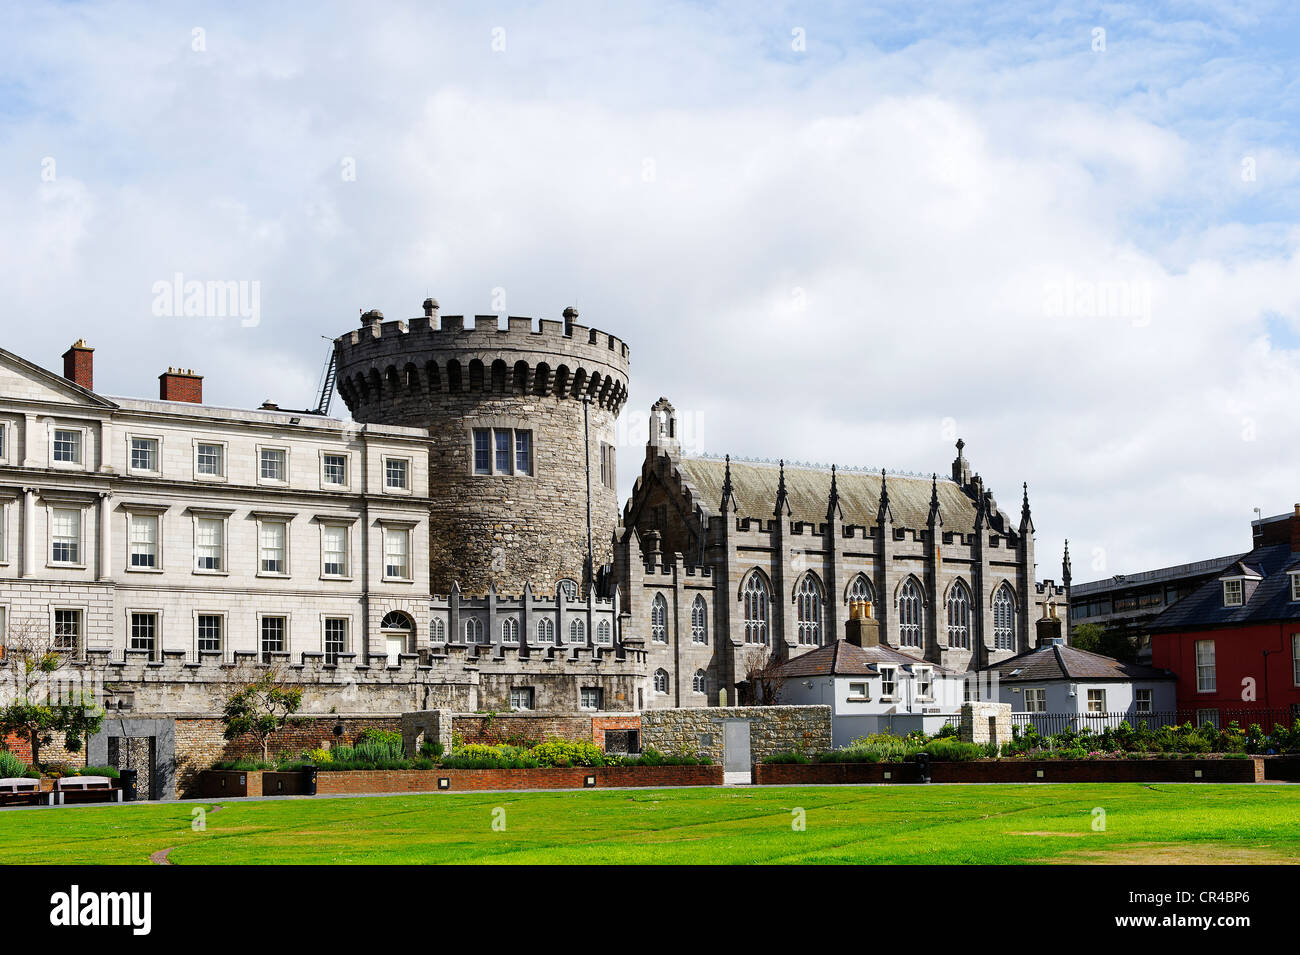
(327, 386)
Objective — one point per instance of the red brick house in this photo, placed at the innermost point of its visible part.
(1234, 643)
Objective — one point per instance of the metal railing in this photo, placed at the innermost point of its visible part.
(1051, 724)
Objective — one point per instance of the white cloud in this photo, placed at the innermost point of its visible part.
(834, 254)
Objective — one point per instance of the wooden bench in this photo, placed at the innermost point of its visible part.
(23, 791)
(94, 787)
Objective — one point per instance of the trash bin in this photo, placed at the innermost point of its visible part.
(128, 781)
(309, 780)
(923, 766)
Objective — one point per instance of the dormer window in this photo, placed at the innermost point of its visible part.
(1295, 586)
(1232, 591)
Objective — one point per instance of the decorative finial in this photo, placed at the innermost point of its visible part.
(728, 489)
(782, 503)
(1026, 522)
(1065, 565)
(833, 505)
(960, 444)
(935, 517)
(884, 513)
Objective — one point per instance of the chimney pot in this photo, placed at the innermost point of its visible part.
(79, 364)
(177, 385)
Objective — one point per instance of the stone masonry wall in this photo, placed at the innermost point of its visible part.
(488, 528)
(772, 729)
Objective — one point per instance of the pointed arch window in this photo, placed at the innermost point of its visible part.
(860, 589)
(604, 633)
(578, 631)
(959, 616)
(1004, 619)
(510, 630)
(437, 631)
(699, 621)
(545, 630)
(473, 630)
(699, 683)
(757, 601)
(808, 602)
(659, 620)
(910, 632)
(661, 681)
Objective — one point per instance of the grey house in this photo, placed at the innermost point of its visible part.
(1059, 679)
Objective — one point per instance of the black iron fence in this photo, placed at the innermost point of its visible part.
(1050, 724)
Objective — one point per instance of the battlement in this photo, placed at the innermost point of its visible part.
(432, 354)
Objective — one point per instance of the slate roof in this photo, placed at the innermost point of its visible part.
(842, 658)
(1270, 601)
(808, 490)
(1060, 662)
(1123, 581)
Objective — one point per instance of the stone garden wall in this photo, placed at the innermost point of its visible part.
(772, 729)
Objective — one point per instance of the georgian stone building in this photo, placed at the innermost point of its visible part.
(163, 544)
(729, 566)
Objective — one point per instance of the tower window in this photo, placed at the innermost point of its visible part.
(502, 451)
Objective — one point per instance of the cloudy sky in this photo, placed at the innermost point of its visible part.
(829, 233)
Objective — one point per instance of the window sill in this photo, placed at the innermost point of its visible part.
(59, 565)
(212, 573)
(396, 580)
(272, 576)
(336, 578)
(143, 570)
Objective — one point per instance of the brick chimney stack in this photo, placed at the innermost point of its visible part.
(79, 365)
(1295, 529)
(181, 384)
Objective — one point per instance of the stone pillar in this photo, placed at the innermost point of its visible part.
(985, 722)
(105, 535)
(29, 532)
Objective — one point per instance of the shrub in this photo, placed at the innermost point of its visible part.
(778, 759)
(319, 755)
(945, 750)
(108, 771)
(11, 766)
(431, 750)
(382, 737)
(562, 752)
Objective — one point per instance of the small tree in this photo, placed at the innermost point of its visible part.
(35, 706)
(764, 676)
(1095, 638)
(259, 707)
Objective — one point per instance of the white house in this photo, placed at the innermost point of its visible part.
(872, 689)
(1059, 679)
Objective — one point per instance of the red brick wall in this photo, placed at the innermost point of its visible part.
(467, 780)
(601, 723)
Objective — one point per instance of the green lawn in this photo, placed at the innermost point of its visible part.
(1165, 823)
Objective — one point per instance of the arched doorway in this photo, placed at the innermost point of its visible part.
(397, 633)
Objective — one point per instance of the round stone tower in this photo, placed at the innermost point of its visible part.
(521, 423)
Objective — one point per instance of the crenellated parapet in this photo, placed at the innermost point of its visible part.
(384, 362)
